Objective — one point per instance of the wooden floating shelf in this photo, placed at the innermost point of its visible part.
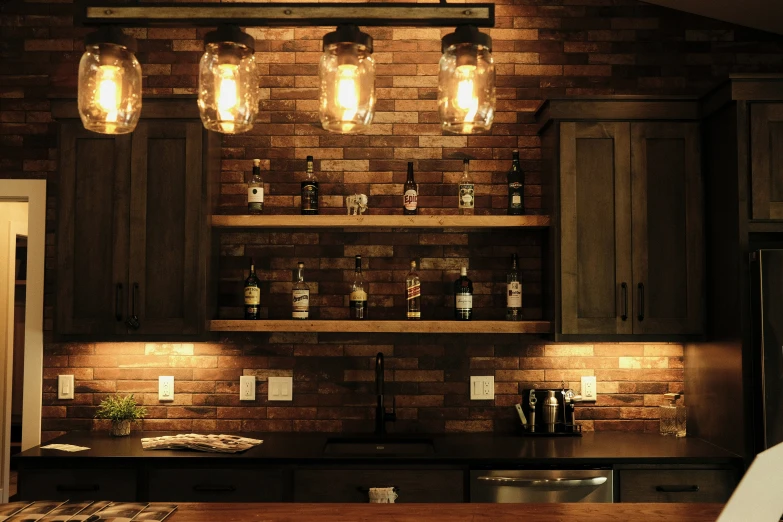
(368, 326)
(391, 221)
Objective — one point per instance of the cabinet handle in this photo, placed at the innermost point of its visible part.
(559, 483)
(624, 286)
(677, 488)
(118, 302)
(208, 488)
(75, 487)
(133, 320)
(641, 302)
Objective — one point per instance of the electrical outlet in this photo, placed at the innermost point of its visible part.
(166, 388)
(589, 392)
(247, 388)
(482, 387)
(281, 388)
(65, 386)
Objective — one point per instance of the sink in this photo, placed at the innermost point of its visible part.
(380, 447)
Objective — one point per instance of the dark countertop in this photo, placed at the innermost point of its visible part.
(605, 448)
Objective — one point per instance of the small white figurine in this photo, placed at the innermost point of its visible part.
(356, 204)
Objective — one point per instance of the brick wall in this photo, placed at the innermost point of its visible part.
(541, 50)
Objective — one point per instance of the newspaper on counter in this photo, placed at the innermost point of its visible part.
(65, 447)
(193, 441)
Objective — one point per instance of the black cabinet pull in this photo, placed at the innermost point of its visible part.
(624, 286)
(209, 488)
(133, 320)
(677, 488)
(118, 302)
(641, 302)
(63, 488)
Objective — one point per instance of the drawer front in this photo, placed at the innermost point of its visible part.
(421, 486)
(215, 485)
(78, 484)
(676, 485)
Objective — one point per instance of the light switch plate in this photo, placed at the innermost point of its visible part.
(589, 392)
(482, 388)
(247, 388)
(166, 388)
(281, 388)
(65, 386)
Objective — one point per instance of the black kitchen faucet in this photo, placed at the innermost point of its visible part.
(381, 417)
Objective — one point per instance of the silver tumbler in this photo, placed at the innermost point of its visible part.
(550, 411)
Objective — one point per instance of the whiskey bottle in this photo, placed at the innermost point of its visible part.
(516, 188)
(410, 200)
(466, 191)
(255, 190)
(463, 296)
(310, 191)
(300, 295)
(358, 296)
(413, 286)
(513, 292)
(252, 294)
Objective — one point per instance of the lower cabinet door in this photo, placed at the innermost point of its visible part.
(215, 485)
(78, 484)
(353, 485)
(676, 485)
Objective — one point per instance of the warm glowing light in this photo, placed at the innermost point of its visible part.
(466, 95)
(227, 98)
(347, 91)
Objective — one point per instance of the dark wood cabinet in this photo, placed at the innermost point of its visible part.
(134, 234)
(766, 160)
(209, 484)
(676, 485)
(79, 483)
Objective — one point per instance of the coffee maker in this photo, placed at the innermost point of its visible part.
(549, 412)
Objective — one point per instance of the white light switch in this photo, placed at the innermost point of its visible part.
(166, 388)
(281, 389)
(65, 386)
(482, 387)
(247, 388)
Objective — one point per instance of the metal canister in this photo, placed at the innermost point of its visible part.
(550, 411)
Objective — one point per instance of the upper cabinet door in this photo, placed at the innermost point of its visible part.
(595, 228)
(92, 236)
(766, 152)
(668, 264)
(165, 228)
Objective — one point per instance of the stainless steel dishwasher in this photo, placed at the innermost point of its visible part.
(526, 486)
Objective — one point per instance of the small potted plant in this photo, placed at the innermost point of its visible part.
(121, 411)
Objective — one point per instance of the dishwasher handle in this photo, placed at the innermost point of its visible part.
(560, 483)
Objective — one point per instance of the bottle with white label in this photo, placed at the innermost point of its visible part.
(300, 295)
(466, 191)
(358, 294)
(255, 190)
(516, 187)
(463, 297)
(410, 198)
(513, 293)
(252, 294)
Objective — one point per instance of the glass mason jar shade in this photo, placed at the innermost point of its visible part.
(466, 82)
(109, 85)
(347, 73)
(227, 81)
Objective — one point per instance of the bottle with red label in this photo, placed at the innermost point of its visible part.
(413, 287)
(411, 195)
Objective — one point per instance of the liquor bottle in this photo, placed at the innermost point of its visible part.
(255, 190)
(516, 188)
(252, 294)
(513, 293)
(466, 191)
(358, 297)
(411, 196)
(463, 296)
(413, 286)
(310, 191)
(300, 295)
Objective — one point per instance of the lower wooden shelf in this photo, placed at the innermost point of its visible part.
(367, 326)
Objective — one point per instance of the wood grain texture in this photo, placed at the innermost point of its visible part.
(766, 148)
(519, 327)
(367, 221)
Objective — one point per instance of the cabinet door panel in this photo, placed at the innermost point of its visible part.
(667, 228)
(766, 151)
(166, 171)
(595, 228)
(92, 254)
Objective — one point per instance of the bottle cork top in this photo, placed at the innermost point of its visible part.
(256, 162)
(463, 271)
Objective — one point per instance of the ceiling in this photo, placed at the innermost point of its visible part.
(766, 15)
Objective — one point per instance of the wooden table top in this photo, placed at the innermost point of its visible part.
(445, 512)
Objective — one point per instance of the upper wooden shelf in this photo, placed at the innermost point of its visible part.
(368, 326)
(390, 221)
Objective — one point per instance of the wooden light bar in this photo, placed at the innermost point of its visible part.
(294, 15)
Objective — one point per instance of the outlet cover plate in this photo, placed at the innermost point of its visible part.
(65, 386)
(589, 393)
(247, 388)
(482, 388)
(281, 389)
(166, 388)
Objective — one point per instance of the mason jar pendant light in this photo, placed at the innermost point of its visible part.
(466, 82)
(109, 88)
(227, 81)
(347, 74)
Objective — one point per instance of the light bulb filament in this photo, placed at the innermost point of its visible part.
(109, 91)
(227, 96)
(347, 91)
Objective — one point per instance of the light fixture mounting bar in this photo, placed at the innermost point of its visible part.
(296, 15)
